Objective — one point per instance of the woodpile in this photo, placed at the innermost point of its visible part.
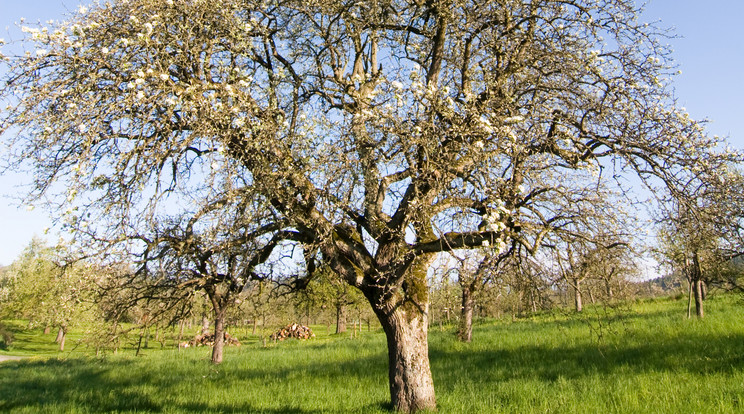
(293, 331)
(208, 340)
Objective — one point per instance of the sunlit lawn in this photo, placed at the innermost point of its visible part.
(647, 359)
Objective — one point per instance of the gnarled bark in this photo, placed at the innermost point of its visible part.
(411, 384)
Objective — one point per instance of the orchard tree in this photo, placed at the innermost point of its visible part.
(379, 133)
(327, 289)
(45, 287)
(218, 250)
(580, 251)
(701, 234)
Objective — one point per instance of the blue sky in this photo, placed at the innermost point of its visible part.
(709, 51)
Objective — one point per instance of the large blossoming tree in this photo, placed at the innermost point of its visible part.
(377, 133)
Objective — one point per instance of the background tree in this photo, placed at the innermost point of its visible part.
(217, 250)
(49, 291)
(700, 235)
(327, 289)
(379, 133)
(472, 277)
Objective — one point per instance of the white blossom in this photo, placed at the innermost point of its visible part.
(513, 119)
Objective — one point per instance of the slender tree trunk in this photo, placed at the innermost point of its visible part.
(205, 325)
(411, 384)
(61, 335)
(699, 298)
(147, 336)
(519, 303)
(689, 299)
(255, 325)
(139, 342)
(47, 329)
(591, 295)
(697, 284)
(704, 289)
(219, 337)
(465, 331)
(577, 295)
(533, 300)
(340, 317)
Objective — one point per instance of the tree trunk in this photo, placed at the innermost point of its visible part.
(219, 337)
(61, 335)
(147, 336)
(591, 295)
(465, 331)
(699, 298)
(180, 331)
(47, 329)
(577, 295)
(340, 317)
(689, 299)
(704, 289)
(205, 325)
(139, 342)
(533, 300)
(411, 384)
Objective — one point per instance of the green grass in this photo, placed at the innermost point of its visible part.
(647, 359)
(33, 342)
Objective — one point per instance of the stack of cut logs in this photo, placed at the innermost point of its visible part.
(293, 331)
(208, 340)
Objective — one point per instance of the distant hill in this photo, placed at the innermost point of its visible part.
(660, 286)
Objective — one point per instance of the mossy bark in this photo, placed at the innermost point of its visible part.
(411, 383)
(405, 319)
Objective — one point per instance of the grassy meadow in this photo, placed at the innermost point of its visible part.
(644, 358)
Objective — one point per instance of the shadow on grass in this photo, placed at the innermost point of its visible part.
(699, 354)
(126, 385)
